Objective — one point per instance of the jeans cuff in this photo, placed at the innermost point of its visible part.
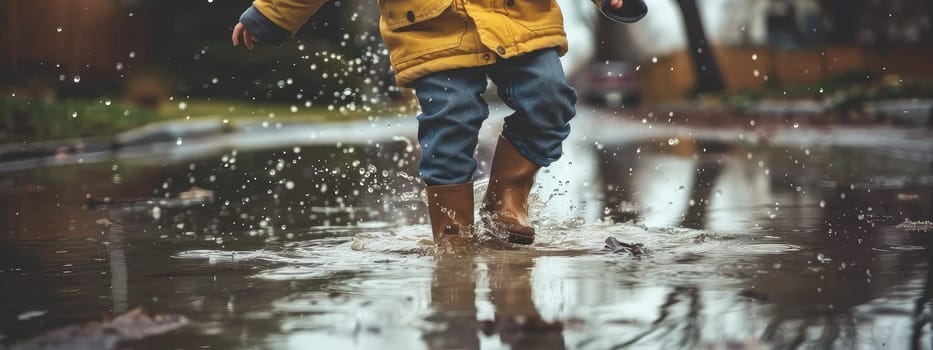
(525, 151)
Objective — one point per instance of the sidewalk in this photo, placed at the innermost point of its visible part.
(904, 125)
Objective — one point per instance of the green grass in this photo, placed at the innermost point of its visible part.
(23, 119)
(246, 110)
(844, 93)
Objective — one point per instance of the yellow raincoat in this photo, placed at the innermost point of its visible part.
(427, 36)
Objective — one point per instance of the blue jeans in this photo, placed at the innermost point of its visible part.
(453, 109)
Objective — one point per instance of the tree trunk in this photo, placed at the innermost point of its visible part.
(708, 76)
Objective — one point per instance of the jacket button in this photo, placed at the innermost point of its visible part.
(500, 50)
(411, 16)
(486, 57)
(510, 3)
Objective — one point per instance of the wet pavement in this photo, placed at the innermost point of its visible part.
(810, 239)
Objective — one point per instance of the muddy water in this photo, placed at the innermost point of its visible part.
(747, 246)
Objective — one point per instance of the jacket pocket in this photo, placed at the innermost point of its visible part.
(415, 28)
(536, 15)
(402, 13)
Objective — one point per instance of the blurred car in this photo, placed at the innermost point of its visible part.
(611, 84)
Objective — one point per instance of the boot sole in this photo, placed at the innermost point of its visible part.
(515, 235)
(519, 238)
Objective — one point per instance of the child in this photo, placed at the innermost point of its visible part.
(446, 49)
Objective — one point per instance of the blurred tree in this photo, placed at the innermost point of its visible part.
(879, 23)
(335, 59)
(706, 69)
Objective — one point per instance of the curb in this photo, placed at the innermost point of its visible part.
(168, 131)
(18, 151)
(908, 112)
(160, 132)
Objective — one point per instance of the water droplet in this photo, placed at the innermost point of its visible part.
(822, 258)
(31, 314)
(74, 114)
(822, 204)
(77, 79)
(796, 125)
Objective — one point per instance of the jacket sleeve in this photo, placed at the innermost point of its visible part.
(631, 11)
(272, 21)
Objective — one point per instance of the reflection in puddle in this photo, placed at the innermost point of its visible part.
(527, 298)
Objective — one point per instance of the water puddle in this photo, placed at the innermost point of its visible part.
(742, 245)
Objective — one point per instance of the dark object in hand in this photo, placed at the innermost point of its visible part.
(631, 11)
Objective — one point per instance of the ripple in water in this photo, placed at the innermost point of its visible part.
(402, 250)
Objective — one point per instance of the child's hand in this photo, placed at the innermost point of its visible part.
(249, 39)
(617, 4)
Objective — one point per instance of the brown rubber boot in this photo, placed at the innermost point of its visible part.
(450, 208)
(505, 208)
